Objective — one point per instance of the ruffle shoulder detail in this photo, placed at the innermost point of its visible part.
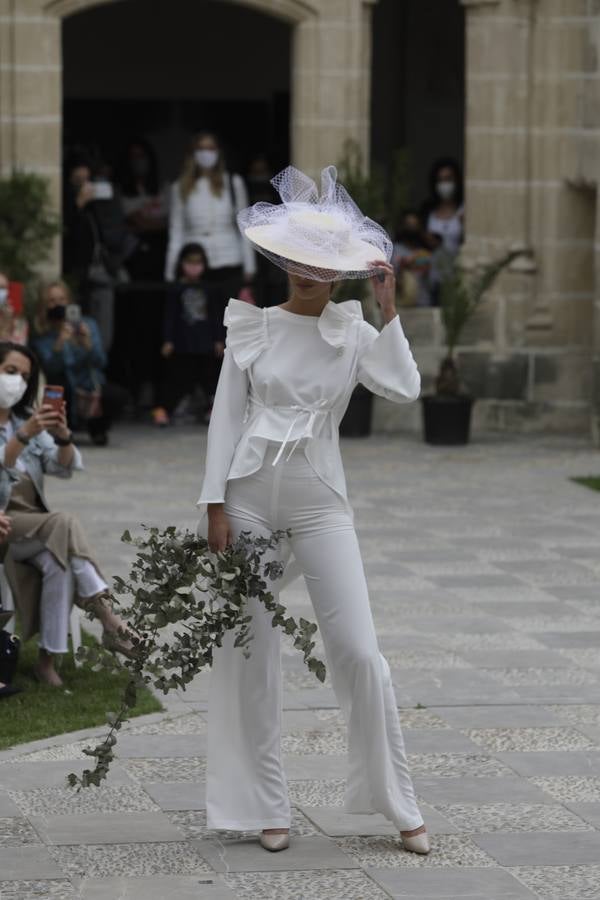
(247, 333)
(336, 320)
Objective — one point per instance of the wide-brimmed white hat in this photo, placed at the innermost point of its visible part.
(325, 237)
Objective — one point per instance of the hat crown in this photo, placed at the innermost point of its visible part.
(315, 226)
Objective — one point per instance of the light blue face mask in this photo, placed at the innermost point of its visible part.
(3, 296)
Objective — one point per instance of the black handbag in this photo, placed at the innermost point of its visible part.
(9, 655)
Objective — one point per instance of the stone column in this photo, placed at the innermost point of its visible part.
(30, 90)
(331, 83)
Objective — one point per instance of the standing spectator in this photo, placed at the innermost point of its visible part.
(135, 356)
(444, 213)
(144, 202)
(72, 355)
(13, 327)
(194, 334)
(204, 204)
(412, 262)
(96, 243)
(271, 283)
(444, 209)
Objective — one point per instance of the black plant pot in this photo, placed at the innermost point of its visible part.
(357, 418)
(447, 420)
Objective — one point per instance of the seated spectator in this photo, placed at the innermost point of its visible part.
(44, 545)
(71, 354)
(13, 327)
(412, 261)
(194, 334)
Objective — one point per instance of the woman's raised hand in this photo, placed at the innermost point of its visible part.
(46, 418)
(384, 287)
(59, 428)
(65, 334)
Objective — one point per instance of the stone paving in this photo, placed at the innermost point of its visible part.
(484, 572)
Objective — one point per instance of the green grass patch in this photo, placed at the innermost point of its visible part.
(87, 696)
(589, 481)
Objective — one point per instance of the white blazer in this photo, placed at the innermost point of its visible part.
(210, 221)
(285, 377)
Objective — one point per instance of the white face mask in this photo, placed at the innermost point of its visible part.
(446, 189)
(12, 388)
(207, 159)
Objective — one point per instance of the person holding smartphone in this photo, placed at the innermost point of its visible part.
(45, 548)
(97, 240)
(71, 354)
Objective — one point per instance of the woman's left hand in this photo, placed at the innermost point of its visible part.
(384, 287)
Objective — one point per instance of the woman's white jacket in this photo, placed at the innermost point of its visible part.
(286, 376)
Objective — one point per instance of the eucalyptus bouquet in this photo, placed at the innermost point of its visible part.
(184, 600)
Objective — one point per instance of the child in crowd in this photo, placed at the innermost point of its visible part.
(412, 262)
(193, 335)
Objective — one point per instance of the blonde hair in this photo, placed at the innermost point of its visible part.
(40, 319)
(190, 172)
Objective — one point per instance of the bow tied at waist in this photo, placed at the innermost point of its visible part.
(310, 411)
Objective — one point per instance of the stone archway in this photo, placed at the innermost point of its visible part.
(331, 79)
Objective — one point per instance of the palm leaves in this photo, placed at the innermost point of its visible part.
(460, 295)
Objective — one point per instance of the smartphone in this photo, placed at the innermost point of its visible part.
(53, 396)
(73, 313)
(103, 190)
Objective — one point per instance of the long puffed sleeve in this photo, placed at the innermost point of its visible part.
(385, 364)
(224, 430)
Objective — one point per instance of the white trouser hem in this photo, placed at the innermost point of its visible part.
(246, 826)
(412, 823)
(48, 650)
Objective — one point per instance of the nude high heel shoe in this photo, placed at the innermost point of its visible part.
(275, 842)
(418, 843)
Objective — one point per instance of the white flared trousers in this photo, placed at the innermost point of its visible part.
(246, 785)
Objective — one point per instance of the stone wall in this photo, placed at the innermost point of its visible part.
(532, 143)
(532, 158)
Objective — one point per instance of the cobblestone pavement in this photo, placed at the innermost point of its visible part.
(484, 572)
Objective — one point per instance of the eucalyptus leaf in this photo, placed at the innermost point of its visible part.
(171, 571)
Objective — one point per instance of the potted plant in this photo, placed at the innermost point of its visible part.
(447, 412)
(28, 226)
(383, 203)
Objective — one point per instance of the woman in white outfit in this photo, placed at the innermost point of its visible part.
(204, 204)
(273, 462)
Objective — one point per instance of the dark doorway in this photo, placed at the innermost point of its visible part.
(162, 71)
(169, 68)
(418, 90)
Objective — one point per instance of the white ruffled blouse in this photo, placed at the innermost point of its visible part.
(286, 377)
